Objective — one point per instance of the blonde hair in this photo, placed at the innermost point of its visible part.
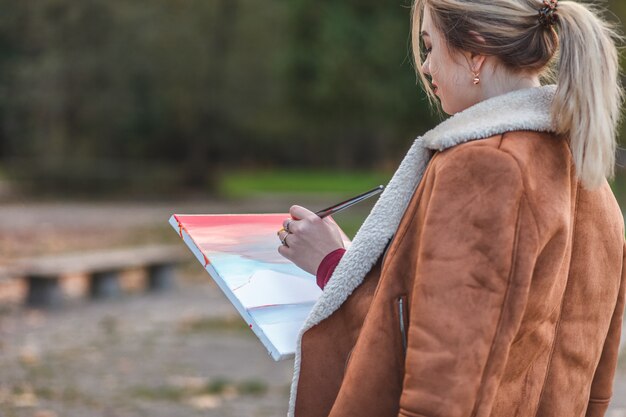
(589, 96)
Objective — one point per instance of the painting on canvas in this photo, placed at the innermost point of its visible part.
(240, 253)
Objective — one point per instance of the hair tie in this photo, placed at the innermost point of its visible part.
(547, 14)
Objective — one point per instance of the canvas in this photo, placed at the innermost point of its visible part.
(240, 253)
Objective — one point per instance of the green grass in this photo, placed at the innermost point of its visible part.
(240, 184)
(291, 183)
(216, 386)
(350, 222)
(252, 387)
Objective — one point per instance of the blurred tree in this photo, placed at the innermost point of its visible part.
(351, 78)
(98, 94)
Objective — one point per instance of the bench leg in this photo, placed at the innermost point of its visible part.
(43, 292)
(105, 285)
(161, 277)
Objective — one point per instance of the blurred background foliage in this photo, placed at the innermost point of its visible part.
(136, 97)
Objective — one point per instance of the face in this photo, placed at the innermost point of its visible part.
(449, 70)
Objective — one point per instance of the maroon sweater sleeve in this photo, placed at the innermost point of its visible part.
(327, 266)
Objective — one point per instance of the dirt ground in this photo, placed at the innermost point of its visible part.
(182, 353)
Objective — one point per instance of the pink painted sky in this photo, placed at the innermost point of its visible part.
(252, 235)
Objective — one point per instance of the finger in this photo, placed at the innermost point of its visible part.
(331, 223)
(285, 252)
(300, 213)
(282, 235)
(288, 239)
(329, 219)
(295, 226)
(285, 240)
(282, 249)
(288, 224)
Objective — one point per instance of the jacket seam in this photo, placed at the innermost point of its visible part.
(519, 166)
(606, 337)
(407, 413)
(558, 323)
(505, 303)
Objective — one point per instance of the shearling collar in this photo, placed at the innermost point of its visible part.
(527, 109)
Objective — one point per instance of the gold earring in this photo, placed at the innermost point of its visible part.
(476, 78)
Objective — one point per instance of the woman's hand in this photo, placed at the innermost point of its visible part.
(308, 238)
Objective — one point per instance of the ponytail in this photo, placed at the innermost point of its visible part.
(589, 94)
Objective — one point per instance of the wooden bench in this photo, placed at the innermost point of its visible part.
(103, 267)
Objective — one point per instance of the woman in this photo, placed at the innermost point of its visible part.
(488, 279)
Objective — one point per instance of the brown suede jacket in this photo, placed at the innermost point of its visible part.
(501, 292)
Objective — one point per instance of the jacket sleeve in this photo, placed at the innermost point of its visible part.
(472, 276)
(602, 385)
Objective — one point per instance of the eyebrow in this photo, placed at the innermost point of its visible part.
(424, 33)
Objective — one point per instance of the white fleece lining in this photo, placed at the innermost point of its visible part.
(527, 109)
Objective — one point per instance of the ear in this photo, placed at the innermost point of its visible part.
(476, 61)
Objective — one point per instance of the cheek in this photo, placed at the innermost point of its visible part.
(440, 73)
(434, 67)
(455, 88)
(446, 73)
